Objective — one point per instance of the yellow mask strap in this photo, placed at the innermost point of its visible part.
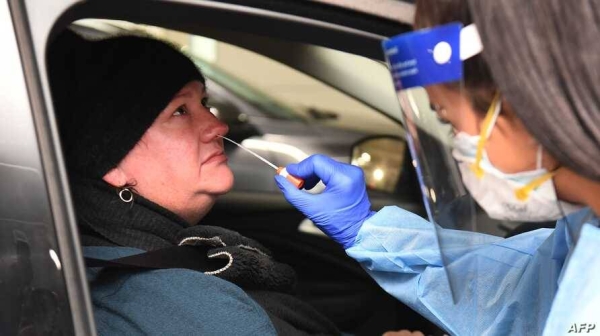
(486, 126)
(523, 193)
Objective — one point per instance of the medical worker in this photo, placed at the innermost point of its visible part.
(524, 146)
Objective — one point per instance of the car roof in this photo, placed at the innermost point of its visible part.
(394, 10)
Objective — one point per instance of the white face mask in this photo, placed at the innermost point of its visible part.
(526, 196)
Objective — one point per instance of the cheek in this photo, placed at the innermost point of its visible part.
(163, 161)
(182, 158)
(465, 120)
(511, 153)
(216, 179)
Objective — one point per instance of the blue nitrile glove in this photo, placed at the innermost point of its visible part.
(341, 208)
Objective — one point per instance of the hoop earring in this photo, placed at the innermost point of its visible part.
(126, 192)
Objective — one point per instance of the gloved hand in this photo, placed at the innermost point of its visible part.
(341, 208)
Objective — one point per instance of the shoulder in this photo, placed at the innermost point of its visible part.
(173, 301)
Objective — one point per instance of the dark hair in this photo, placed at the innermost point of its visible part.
(478, 81)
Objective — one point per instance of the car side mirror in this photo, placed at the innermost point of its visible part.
(382, 160)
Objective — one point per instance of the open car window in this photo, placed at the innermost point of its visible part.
(277, 111)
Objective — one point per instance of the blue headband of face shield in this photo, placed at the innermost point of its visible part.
(431, 56)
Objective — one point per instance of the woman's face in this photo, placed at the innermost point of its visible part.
(179, 162)
(510, 147)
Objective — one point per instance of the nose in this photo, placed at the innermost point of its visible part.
(213, 128)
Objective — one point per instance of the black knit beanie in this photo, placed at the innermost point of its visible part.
(107, 93)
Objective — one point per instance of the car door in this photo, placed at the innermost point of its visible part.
(42, 284)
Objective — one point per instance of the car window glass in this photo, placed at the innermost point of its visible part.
(280, 112)
(271, 107)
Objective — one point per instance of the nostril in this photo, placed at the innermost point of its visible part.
(214, 130)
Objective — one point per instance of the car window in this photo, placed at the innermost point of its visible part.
(271, 107)
(282, 113)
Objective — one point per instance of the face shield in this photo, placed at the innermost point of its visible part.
(427, 70)
(426, 67)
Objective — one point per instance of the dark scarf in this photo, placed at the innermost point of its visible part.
(104, 220)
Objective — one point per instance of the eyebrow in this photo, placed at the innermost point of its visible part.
(186, 93)
(189, 93)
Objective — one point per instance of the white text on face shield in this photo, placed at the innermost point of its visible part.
(392, 51)
(404, 64)
(408, 72)
(405, 69)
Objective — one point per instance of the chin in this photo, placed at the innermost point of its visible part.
(222, 182)
(227, 184)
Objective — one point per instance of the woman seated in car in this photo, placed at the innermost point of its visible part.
(145, 164)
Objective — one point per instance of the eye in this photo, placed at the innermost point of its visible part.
(181, 110)
(440, 113)
(443, 121)
(435, 107)
(204, 102)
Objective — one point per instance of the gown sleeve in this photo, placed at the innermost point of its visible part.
(477, 284)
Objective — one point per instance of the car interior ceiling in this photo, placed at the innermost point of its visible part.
(268, 35)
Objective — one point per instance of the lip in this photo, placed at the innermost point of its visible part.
(216, 157)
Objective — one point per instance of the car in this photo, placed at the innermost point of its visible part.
(337, 44)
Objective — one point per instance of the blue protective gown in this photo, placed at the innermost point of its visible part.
(501, 286)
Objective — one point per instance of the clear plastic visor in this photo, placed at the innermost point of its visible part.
(426, 67)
